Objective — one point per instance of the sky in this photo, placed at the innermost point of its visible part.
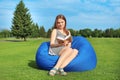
(80, 14)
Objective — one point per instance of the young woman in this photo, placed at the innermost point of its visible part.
(64, 50)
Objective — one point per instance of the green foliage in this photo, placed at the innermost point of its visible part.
(42, 32)
(86, 32)
(35, 31)
(117, 33)
(108, 32)
(97, 33)
(5, 34)
(49, 33)
(17, 61)
(21, 24)
(72, 32)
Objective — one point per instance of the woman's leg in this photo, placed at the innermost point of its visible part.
(72, 55)
(65, 53)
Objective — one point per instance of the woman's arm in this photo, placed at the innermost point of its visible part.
(69, 40)
(52, 39)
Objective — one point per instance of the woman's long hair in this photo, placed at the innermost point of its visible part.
(60, 16)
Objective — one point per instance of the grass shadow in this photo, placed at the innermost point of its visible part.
(33, 64)
(14, 40)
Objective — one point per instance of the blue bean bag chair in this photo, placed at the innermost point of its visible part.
(84, 61)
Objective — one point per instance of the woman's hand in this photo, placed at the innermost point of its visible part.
(66, 42)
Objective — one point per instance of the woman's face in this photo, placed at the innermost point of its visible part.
(60, 23)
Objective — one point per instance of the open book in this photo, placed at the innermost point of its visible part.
(62, 40)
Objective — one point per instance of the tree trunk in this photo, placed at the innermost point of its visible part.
(25, 39)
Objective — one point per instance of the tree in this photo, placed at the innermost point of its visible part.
(117, 33)
(21, 24)
(97, 33)
(42, 32)
(35, 31)
(49, 33)
(86, 32)
(109, 32)
(5, 33)
(73, 33)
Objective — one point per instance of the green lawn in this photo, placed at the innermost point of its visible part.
(17, 61)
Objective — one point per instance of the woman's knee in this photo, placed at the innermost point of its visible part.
(66, 51)
(69, 49)
(75, 51)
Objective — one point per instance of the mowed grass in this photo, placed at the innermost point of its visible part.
(17, 61)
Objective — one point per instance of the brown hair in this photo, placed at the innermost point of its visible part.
(60, 16)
